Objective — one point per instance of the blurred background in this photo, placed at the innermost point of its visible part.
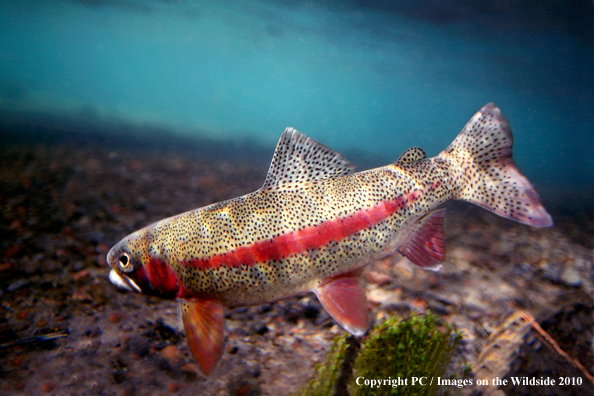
(369, 78)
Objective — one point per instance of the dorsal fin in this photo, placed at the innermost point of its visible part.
(299, 159)
(412, 154)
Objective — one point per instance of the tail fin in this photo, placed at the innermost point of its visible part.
(483, 152)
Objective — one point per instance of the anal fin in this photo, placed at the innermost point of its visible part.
(344, 299)
(204, 324)
(426, 245)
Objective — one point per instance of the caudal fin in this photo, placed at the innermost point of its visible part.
(490, 178)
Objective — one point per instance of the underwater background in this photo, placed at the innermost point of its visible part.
(118, 113)
(372, 76)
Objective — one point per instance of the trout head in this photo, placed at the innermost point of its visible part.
(134, 268)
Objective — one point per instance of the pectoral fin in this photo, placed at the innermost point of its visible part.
(344, 299)
(426, 246)
(204, 323)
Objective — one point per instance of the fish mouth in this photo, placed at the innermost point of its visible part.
(123, 282)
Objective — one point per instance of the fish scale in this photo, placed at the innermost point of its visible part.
(315, 224)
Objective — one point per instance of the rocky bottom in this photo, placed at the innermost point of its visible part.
(65, 330)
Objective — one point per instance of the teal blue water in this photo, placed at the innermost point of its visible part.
(372, 76)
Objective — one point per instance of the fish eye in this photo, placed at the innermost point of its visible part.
(125, 262)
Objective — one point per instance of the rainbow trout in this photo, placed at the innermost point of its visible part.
(315, 224)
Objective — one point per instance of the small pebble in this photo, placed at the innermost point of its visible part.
(461, 259)
(17, 285)
(191, 369)
(550, 271)
(418, 305)
(439, 307)
(82, 296)
(310, 311)
(93, 332)
(174, 387)
(12, 250)
(232, 349)
(571, 276)
(116, 317)
(49, 386)
(264, 308)
(80, 274)
(378, 278)
(384, 297)
(172, 354)
(22, 315)
(258, 327)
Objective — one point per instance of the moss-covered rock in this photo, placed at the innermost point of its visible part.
(395, 353)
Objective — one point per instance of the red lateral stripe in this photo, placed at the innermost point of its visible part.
(309, 238)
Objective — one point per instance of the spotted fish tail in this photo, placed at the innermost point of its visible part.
(483, 154)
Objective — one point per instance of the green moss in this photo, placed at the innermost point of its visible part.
(403, 349)
(408, 349)
(331, 377)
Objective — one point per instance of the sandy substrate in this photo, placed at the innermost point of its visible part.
(62, 206)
